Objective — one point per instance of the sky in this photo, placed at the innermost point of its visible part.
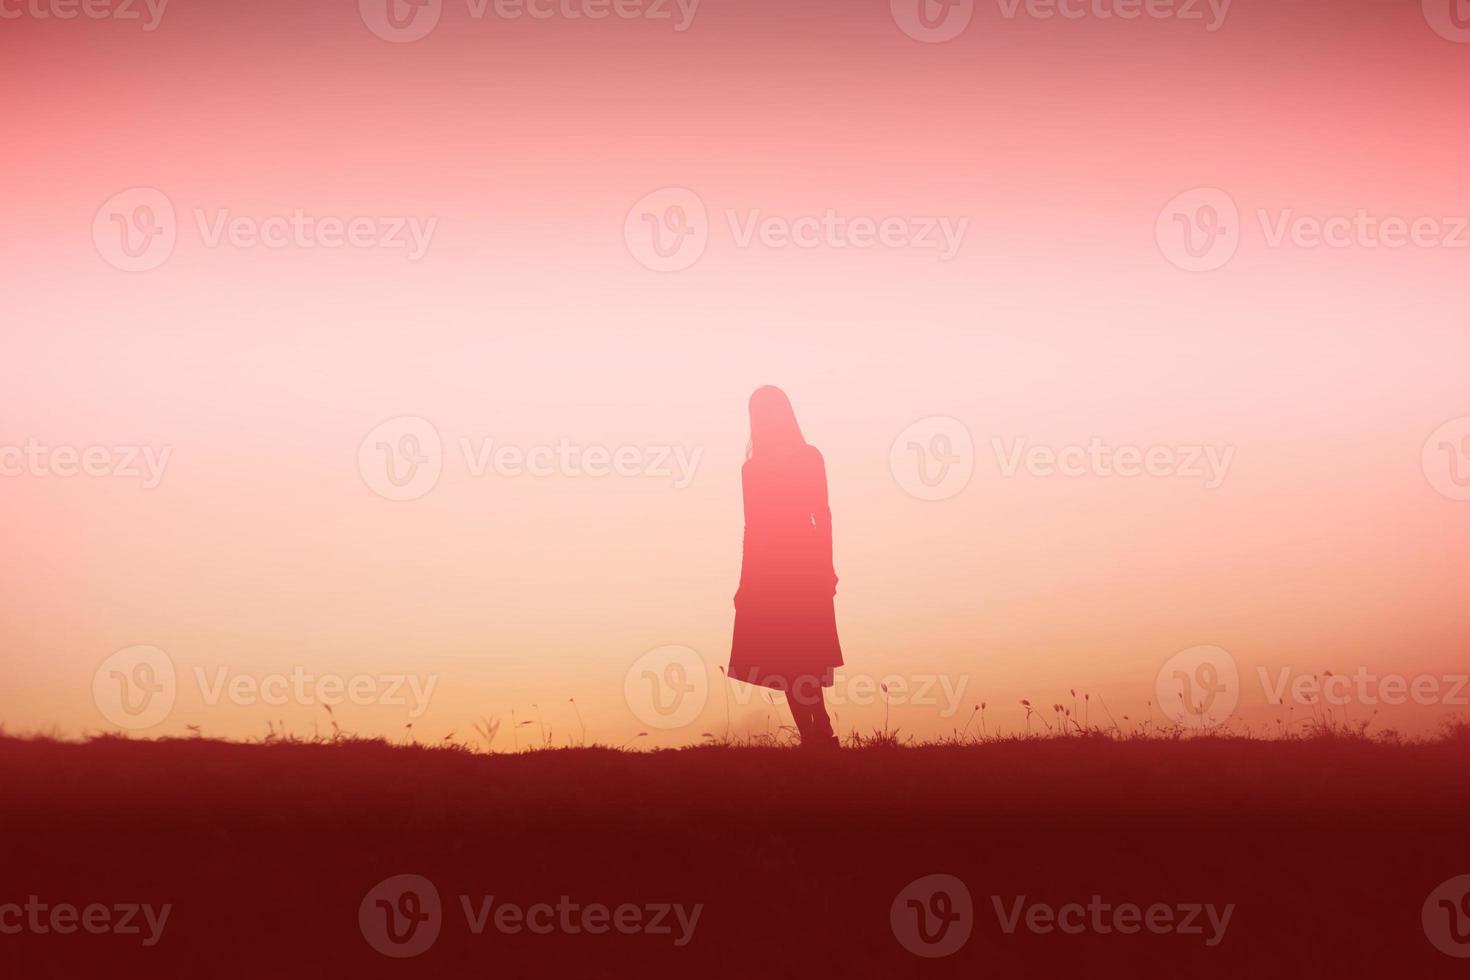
(394, 360)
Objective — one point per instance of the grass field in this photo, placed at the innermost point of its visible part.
(1323, 851)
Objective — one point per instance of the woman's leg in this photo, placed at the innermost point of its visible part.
(821, 724)
(800, 713)
(807, 705)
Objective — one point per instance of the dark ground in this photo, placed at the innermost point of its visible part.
(1327, 848)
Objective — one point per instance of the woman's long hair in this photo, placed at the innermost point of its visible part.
(773, 428)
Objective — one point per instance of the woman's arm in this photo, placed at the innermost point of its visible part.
(822, 516)
(745, 536)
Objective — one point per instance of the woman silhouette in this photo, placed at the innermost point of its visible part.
(785, 623)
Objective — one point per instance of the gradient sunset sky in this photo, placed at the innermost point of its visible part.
(1336, 540)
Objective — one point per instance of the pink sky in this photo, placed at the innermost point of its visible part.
(1059, 320)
